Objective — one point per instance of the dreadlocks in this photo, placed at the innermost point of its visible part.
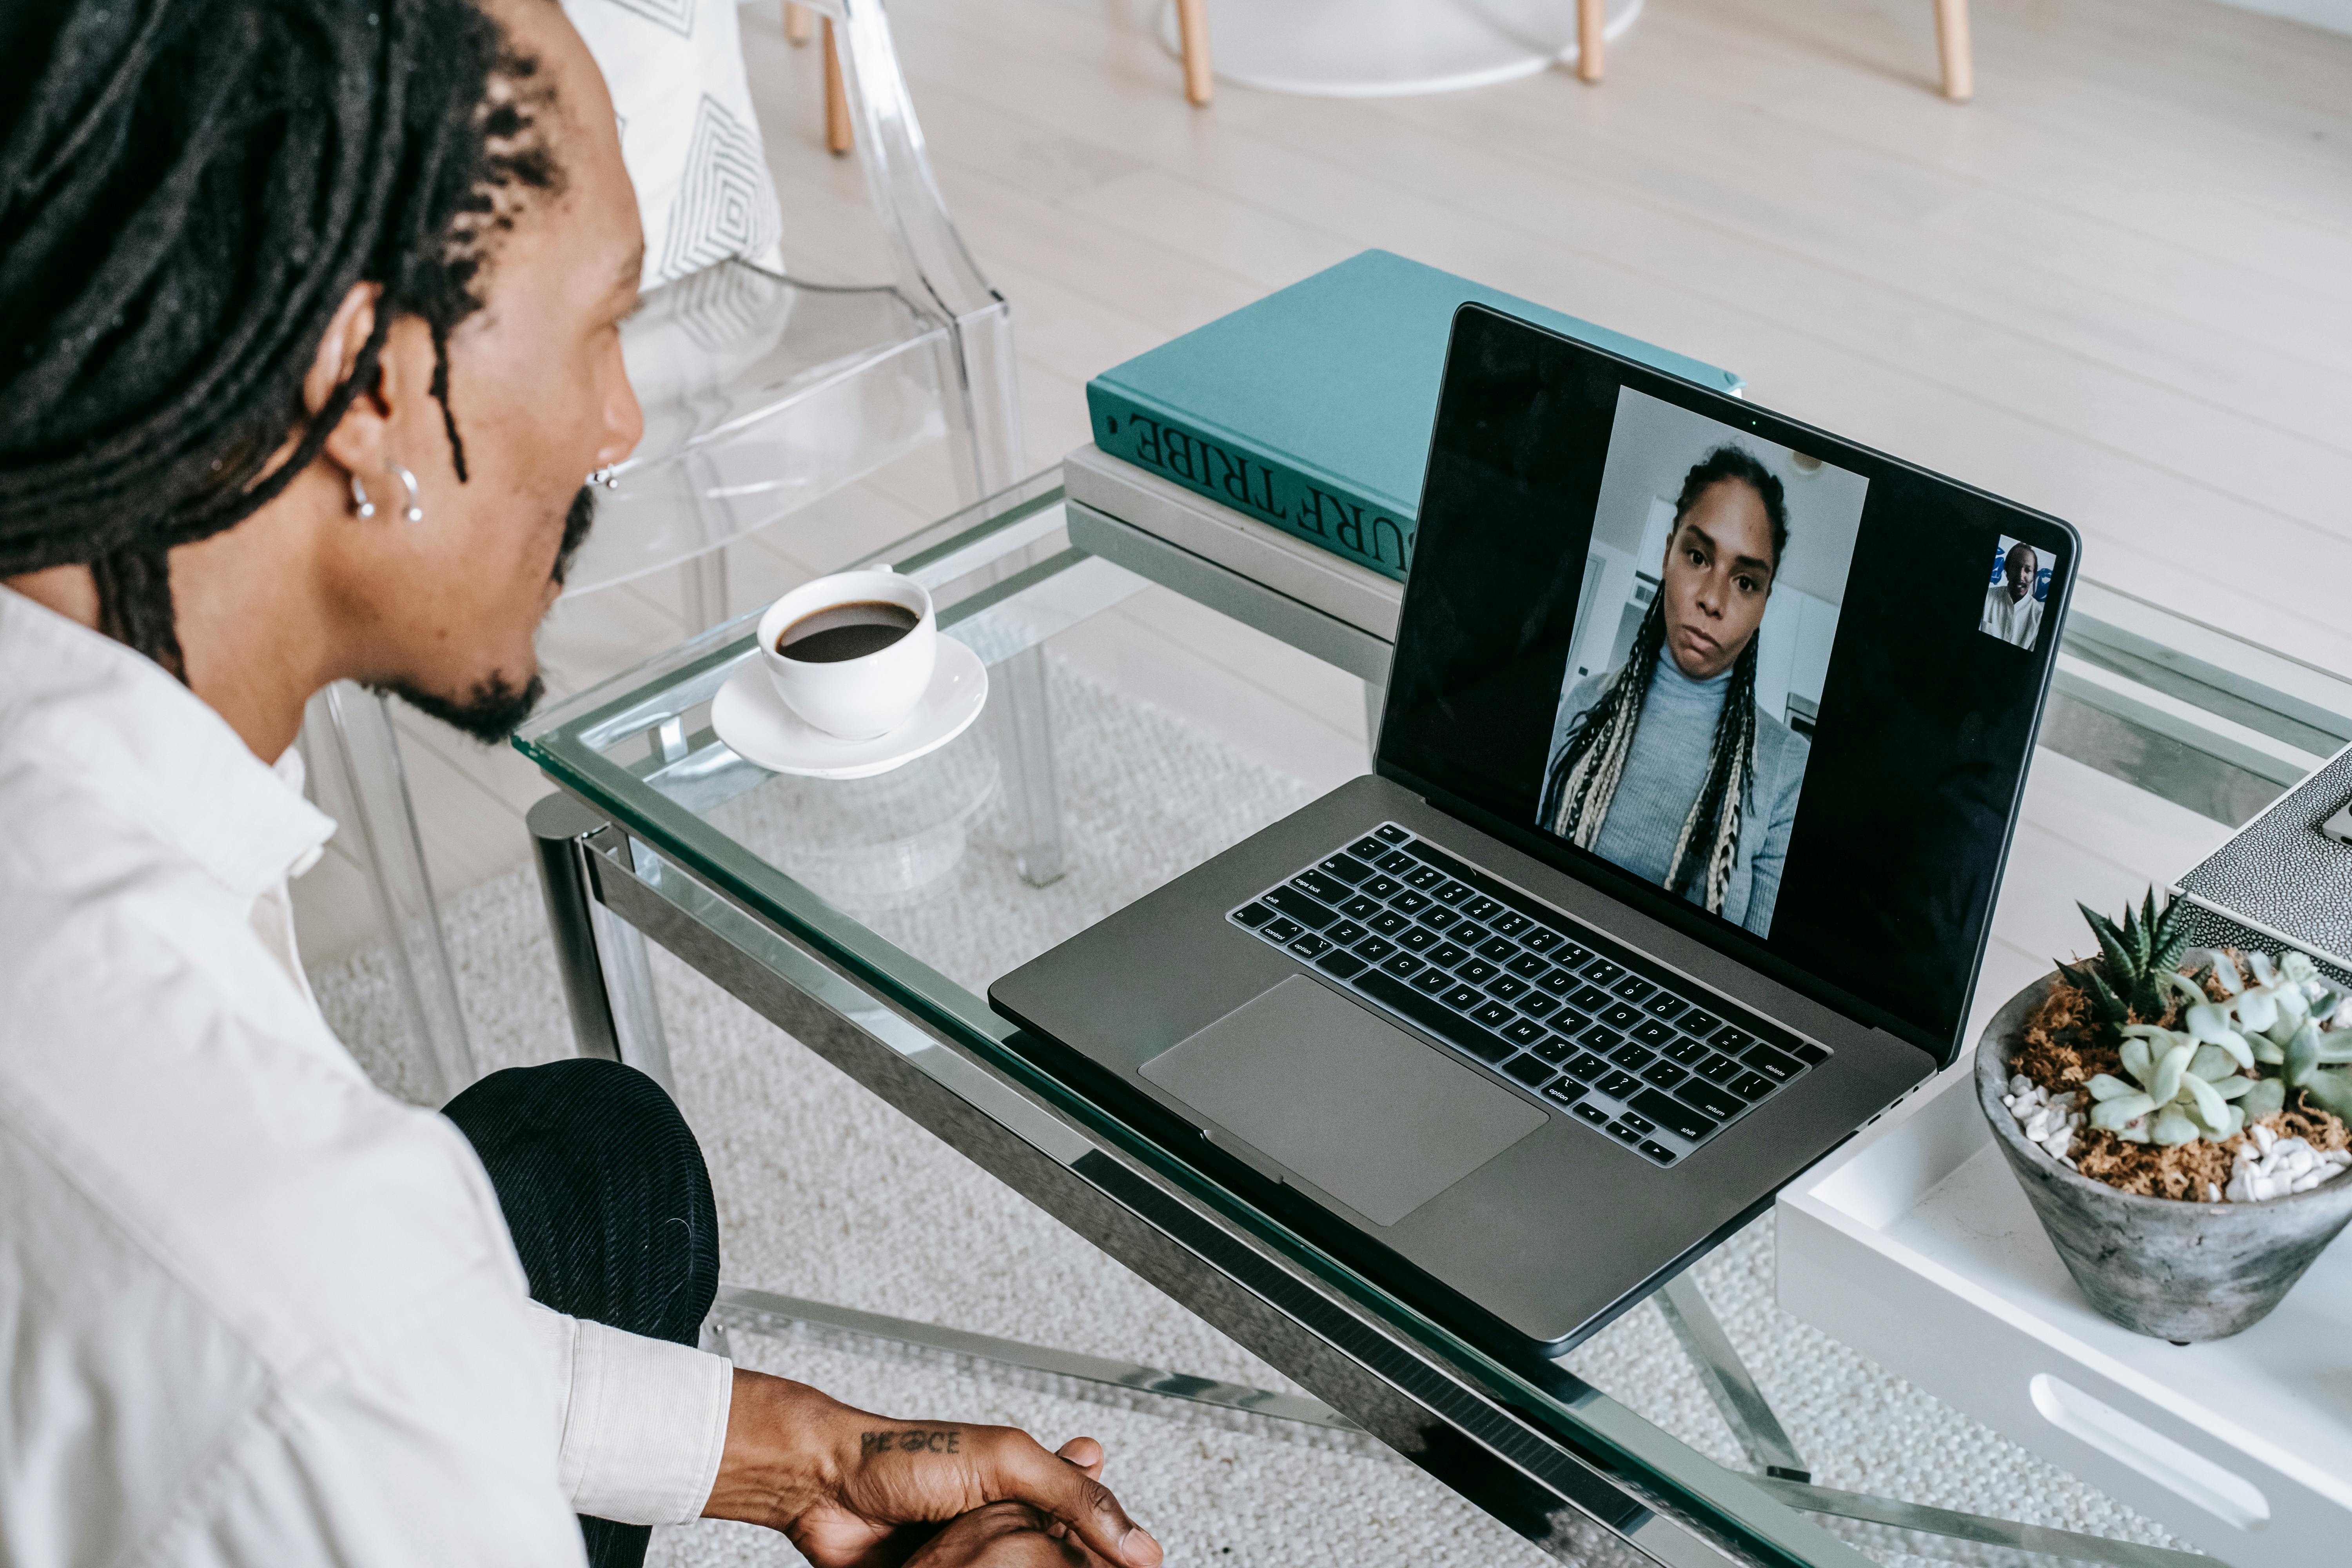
(188, 189)
(1584, 778)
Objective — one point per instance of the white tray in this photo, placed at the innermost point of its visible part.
(1915, 1246)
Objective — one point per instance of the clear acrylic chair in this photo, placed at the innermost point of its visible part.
(762, 394)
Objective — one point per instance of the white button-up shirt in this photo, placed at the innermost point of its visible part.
(255, 1311)
(2012, 620)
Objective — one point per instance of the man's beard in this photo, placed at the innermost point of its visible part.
(496, 708)
(492, 712)
(577, 521)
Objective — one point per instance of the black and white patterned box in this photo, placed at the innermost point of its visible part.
(2281, 881)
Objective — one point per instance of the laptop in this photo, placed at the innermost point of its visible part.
(1704, 743)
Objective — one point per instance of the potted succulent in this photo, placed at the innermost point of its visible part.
(2179, 1119)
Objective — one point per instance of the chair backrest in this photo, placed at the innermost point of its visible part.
(688, 134)
(737, 357)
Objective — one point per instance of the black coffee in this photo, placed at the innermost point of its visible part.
(846, 631)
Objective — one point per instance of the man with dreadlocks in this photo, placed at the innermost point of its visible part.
(1666, 766)
(309, 328)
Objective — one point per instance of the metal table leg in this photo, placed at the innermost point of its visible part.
(607, 982)
(1738, 1400)
(1883, 1524)
(765, 1313)
(1022, 729)
(979, 379)
(704, 585)
(1019, 717)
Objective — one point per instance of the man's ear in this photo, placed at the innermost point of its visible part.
(357, 441)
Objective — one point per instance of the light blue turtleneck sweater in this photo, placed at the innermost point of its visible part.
(1664, 772)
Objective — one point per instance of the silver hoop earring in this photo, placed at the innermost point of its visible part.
(606, 477)
(414, 513)
(364, 508)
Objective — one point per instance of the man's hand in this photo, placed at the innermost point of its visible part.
(853, 1490)
(1004, 1535)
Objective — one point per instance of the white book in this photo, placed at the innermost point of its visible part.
(1291, 566)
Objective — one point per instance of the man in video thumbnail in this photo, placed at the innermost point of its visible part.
(1667, 765)
(2012, 613)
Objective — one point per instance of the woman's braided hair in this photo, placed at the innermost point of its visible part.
(188, 189)
(1584, 778)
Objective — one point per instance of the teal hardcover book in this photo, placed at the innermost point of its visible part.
(1311, 409)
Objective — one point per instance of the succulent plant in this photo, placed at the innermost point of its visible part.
(2280, 1018)
(2186, 1089)
(2221, 1066)
(2138, 961)
(2231, 1063)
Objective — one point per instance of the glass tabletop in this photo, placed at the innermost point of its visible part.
(2162, 735)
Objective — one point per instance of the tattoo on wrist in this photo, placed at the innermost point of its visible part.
(922, 1441)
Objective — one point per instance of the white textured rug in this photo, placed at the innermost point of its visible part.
(826, 1193)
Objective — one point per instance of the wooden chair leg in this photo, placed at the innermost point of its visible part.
(837, 98)
(1592, 49)
(1952, 47)
(1192, 27)
(798, 23)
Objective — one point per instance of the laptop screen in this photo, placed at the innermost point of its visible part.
(1772, 687)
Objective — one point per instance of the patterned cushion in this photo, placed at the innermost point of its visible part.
(687, 132)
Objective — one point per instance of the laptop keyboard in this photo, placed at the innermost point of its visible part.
(1641, 1055)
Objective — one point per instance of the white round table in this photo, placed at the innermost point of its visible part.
(1390, 49)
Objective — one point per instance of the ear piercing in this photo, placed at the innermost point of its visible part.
(413, 513)
(365, 509)
(605, 476)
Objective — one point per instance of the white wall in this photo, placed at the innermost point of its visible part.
(2335, 15)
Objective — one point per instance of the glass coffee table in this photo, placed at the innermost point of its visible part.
(859, 917)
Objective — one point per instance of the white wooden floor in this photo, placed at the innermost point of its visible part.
(2114, 287)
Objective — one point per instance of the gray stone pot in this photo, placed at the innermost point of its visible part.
(2175, 1271)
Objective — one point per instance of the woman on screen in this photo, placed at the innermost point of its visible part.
(1665, 765)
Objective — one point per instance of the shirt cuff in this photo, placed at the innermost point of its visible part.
(645, 1422)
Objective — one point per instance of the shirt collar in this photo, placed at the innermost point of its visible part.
(78, 705)
(1672, 675)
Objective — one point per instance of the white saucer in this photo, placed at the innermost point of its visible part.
(757, 726)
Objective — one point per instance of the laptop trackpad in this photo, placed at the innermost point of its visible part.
(1334, 1093)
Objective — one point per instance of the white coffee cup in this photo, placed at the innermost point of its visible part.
(867, 696)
